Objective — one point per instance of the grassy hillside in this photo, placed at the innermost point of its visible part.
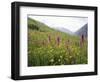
(47, 46)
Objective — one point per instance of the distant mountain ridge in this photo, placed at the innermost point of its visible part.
(64, 30)
(83, 31)
(37, 25)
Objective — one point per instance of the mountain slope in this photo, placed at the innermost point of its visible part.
(36, 25)
(83, 31)
(64, 30)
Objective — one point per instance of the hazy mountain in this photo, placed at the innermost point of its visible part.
(64, 30)
(83, 30)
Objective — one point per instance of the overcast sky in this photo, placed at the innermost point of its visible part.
(71, 23)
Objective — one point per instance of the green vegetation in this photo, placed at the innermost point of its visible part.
(47, 46)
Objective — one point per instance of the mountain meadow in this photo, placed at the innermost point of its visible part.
(50, 47)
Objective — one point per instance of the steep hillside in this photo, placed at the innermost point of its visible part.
(36, 25)
(83, 31)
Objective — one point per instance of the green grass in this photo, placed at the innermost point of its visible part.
(44, 50)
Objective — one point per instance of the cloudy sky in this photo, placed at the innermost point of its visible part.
(70, 23)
